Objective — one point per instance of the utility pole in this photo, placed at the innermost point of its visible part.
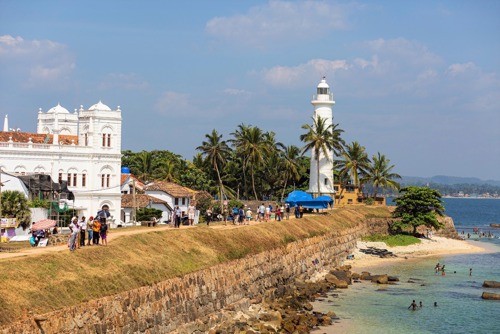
(134, 213)
(1, 192)
(1, 206)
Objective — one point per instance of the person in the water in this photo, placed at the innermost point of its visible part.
(435, 304)
(413, 305)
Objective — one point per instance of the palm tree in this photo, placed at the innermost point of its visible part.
(253, 144)
(15, 205)
(321, 139)
(354, 161)
(169, 171)
(143, 165)
(238, 142)
(216, 151)
(380, 175)
(290, 166)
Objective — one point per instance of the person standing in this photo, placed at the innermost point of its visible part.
(267, 213)
(209, 215)
(287, 210)
(191, 213)
(90, 227)
(103, 231)
(241, 215)
(177, 216)
(249, 215)
(470, 271)
(278, 213)
(95, 233)
(73, 227)
(413, 305)
(261, 211)
(297, 211)
(83, 231)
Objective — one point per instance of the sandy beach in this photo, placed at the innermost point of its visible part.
(365, 262)
(427, 247)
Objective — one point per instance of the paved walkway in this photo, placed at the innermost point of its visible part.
(114, 234)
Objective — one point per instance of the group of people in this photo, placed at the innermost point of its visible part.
(439, 269)
(96, 228)
(179, 215)
(265, 213)
(413, 306)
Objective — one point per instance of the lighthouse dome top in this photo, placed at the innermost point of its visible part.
(323, 88)
(99, 106)
(58, 110)
(323, 83)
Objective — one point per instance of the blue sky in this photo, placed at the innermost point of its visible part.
(415, 80)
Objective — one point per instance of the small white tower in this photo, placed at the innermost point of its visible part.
(322, 102)
(6, 124)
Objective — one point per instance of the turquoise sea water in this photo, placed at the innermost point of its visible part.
(368, 308)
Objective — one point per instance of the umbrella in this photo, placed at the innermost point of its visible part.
(43, 224)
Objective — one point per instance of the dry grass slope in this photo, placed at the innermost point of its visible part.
(44, 283)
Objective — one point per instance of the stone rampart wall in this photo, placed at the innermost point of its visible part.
(177, 304)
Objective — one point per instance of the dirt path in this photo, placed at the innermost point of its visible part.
(113, 235)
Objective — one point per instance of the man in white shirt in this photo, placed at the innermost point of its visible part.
(83, 229)
(75, 231)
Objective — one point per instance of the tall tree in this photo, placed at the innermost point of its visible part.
(143, 165)
(418, 206)
(380, 173)
(290, 166)
(254, 146)
(238, 142)
(320, 139)
(354, 161)
(216, 151)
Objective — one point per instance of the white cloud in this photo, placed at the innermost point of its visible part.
(236, 92)
(399, 48)
(454, 69)
(36, 63)
(281, 21)
(173, 104)
(125, 81)
(297, 75)
(399, 70)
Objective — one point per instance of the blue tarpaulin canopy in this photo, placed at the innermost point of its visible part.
(299, 197)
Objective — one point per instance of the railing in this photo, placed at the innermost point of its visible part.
(323, 97)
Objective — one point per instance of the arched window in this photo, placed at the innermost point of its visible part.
(107, 131)
(105, 175)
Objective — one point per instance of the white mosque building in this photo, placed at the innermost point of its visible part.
(81, 147)
(323, 102)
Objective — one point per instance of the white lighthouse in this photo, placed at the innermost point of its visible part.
(322, 102)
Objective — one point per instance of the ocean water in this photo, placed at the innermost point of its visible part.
(369, 308)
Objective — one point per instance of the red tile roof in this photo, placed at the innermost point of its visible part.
(170, 188)
(141, 201)
(36, 138)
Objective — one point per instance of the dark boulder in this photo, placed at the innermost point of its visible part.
(491, 284)
(490, 296)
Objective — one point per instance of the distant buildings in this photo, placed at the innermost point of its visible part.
(81, 148)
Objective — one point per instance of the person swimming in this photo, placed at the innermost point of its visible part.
(421, 305)
(413, 305)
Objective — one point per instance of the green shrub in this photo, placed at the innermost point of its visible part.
(393, 240)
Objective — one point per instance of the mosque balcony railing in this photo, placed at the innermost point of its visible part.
(36, 146)
(323, 97)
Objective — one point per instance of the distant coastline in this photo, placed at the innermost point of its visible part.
(470, 197)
